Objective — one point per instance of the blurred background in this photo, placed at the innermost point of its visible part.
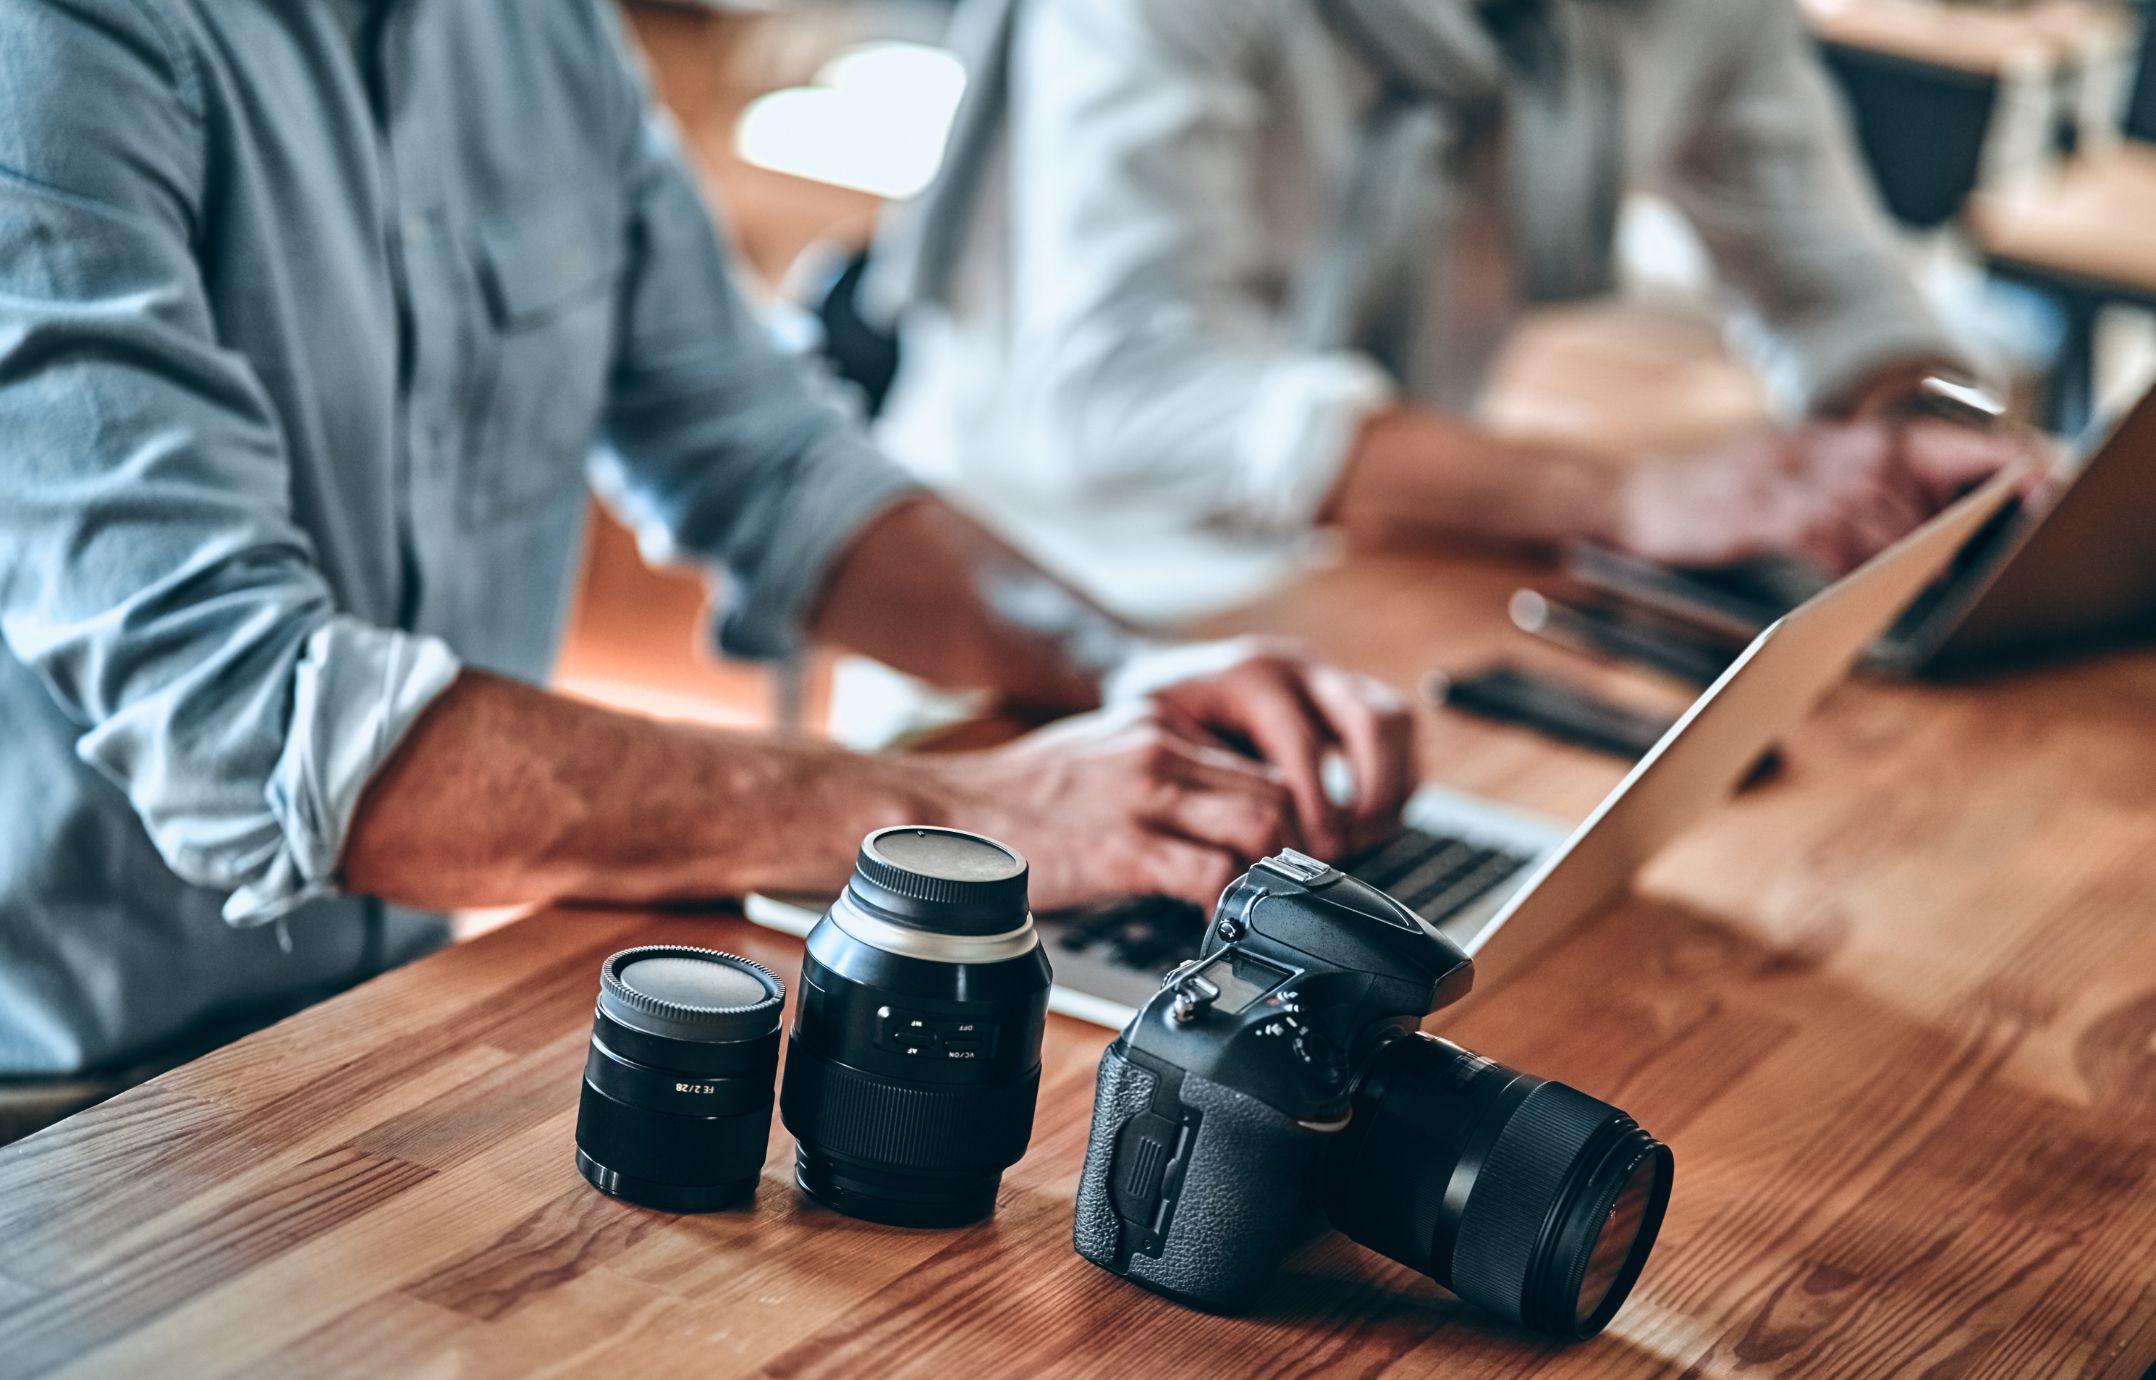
(2015, 144)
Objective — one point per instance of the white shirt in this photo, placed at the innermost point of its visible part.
(1113, 385)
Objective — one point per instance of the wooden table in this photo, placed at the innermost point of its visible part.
(1895, 1010)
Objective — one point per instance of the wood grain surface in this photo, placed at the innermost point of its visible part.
(1895, 1010)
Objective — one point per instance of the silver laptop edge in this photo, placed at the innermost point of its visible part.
(1777, 681)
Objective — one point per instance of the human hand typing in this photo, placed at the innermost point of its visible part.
(1833, 493)
(1272, 701)
(1207, 758)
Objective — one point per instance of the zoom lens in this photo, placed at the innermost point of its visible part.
(676, 1112)
(1521, 1195)
(915, 1055)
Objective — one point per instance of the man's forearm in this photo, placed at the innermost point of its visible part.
(930, 591)
(504, 794)
(1420, 472)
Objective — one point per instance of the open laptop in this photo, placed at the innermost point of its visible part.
(1507, 885)
(2070, 570)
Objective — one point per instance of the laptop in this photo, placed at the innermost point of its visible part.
(2071, 570)
(1507, 885)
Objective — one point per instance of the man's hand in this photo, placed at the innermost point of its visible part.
(1272, 702)
(1116, 803)
(1209, 757)
(1831, 493)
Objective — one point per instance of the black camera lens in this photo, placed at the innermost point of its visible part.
(676, 1112)
(915, 1054)
(1524, 1196)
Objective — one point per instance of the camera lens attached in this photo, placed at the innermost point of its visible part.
(1523, 1195)
(915, 1055)
(1283, 1070)
(676, 1109)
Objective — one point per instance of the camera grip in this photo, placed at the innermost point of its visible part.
(1190, 1188)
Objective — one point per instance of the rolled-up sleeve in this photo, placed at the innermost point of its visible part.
(151, 572)
(1769, 179)
(1147, 322)
(722, 449)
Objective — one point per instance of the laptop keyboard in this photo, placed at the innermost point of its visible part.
(1435, 875)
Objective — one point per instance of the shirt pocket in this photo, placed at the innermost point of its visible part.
(548, 281)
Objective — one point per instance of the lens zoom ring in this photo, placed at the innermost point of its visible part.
(1511, 1200)
(837, 1110)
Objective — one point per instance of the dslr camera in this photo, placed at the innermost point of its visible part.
(1281, 1076)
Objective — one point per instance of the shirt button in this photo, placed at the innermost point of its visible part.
(416, 229)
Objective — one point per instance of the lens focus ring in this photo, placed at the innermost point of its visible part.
(1503, 1224)
(906, 1125)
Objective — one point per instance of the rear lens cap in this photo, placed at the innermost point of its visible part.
(942, 880)
(687, 993)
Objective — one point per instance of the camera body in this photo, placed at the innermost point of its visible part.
(1217, 1104)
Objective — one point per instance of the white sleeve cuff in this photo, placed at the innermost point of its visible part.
(357, 691)
(1295, 439)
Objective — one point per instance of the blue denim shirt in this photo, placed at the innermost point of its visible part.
(308, 332)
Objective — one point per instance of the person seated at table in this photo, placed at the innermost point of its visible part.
(1241, 267)
(310, 316)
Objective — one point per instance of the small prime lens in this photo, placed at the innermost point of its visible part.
(915, 1055)
(676, 1112)
(1524, 1196)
